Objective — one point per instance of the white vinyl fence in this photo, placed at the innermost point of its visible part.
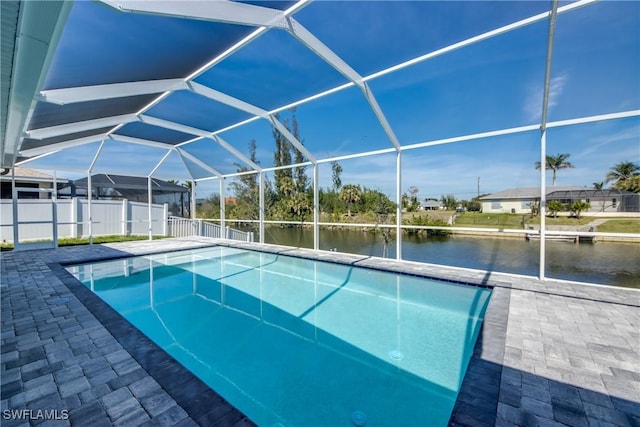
(184, 227)
(109, 217)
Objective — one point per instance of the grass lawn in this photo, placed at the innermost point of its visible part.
(85, 241)
(564, 220)
(514, 221)
(441, 215)
(620, 226)
(490, 220)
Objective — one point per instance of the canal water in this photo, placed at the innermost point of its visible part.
(607, 263)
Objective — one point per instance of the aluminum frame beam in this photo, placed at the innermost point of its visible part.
(140, 141)
(73, 95)
(307, 38)
(292, 139)
(198, 162)
(167, 124)
(167, 154)
(70, 128)
(63, 145)
(229, 100)
(117, 90)
(251, 109)
(221, 11)
(184, 163)
(237, 153)
(543, 139)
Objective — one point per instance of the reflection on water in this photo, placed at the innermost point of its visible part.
(606, 263)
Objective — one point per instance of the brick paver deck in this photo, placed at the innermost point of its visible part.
(549, 354)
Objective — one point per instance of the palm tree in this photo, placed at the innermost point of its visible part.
(350, 194)
(599, 186)
(299, 205)
(559, 161)
(287, 186)
(623, 173)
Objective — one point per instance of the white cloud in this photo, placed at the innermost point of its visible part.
(533, 101)
(630, 134)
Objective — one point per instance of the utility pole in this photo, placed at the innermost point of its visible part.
(478, 187)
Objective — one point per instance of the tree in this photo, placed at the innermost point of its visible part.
(624, 173)
(449, 201)
(301, 180)
(632, 184)
(554, 206)
(247, 189)
(383, 208)
(350, 194)
(559, 161)
(375, 201)
(473, 205)
(210, 207)
(578, 207)
(299, 206)
(336, 170)
(291, 184)
(281, 156)
(414, 203)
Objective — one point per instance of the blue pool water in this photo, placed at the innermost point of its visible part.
(295, 342)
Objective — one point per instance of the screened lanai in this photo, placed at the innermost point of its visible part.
(276, 104)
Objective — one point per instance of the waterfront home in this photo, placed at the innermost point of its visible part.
(430, 205)
(520, 200)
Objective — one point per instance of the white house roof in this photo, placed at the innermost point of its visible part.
(527, 192)
(26, 174)
(430, 204)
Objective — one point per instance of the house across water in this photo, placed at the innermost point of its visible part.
(521, 200)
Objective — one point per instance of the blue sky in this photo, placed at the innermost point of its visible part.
(491, 85)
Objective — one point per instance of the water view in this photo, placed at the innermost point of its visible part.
(607, 263)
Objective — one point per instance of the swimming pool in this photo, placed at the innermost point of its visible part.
(297, 342)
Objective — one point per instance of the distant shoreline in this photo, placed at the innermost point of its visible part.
(517, 234)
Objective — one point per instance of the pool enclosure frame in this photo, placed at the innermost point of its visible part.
(26, 92)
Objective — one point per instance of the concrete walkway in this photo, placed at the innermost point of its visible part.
(549, 354)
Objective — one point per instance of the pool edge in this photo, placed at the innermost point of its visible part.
(477, 401)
